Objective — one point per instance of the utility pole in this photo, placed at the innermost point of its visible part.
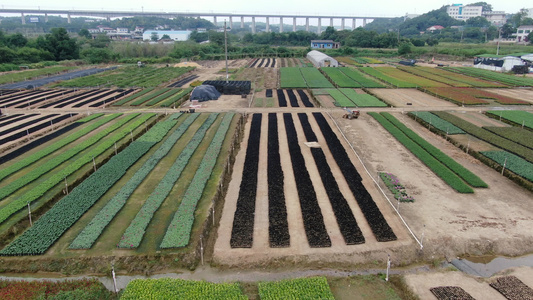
(226, 50)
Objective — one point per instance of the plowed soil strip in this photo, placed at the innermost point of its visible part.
(373, 215)
(243, 222)
(315, 229)
(278, 227)
(345, 219)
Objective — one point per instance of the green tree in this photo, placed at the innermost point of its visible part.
(59, 44)
(6, 55)
(478, 22)
(98, 55)
(405, 48)
(486, 7)
(16, 40)
(154, 37)
(100, 41)
(85, 33)
(530, 38)
(329, 34)
(165, 37)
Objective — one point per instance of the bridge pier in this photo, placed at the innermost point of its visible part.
(46, 18)
(230, 22)
(215, 21)
(280, 25)
(342, 24)
(267, 24)
(353, 24)
(319, 30)
(307, 24)
(23, 18)
(330, 22)
(242, 22)
(253, 25)
(294, 24)
(364, 22)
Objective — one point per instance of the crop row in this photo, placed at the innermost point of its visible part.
(292, 98)
(343, 214)
(153, 94)
(314, 78)
(131, 97)
(300, 288)
(291, 77)
(48, 289)
(340, 99)
(425, 73)
(362, 100)
(515, 117)
(36, 128)
(449, 162)
(31, 74)
(315, 229)
(58, 177)
(514, 163)
(174, 288)
(243, 222)
(278, 227)
(88, 236)
(282, 101)
(179, 231)
(134, 234)
(436, 166)
(488, 136)
(399, 83)
(174, 99)
(516, 134)
(67, 211)
(162, 97)
(495, 76)
(339, 78)
(304, 98)
(373, 215)
(450, 292)
(61, 158)
(6, 171)
(460, 96)
(472, 81)
(25, 124)
(436, 122)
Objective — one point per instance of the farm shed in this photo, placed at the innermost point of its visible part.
(504, 64)
(320, 59)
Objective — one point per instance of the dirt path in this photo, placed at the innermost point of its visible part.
(400, 98)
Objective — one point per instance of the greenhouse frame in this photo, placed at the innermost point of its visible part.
(320, 59)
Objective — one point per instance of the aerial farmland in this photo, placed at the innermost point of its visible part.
(311, 178)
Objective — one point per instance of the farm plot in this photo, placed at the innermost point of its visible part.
(514, 117)
(471, 96)
(300, 288)
(131, 76)
(17, 76)
(365, 81)
(362, 100)
(512, 288)
(291, 77)
(450, 78)
(32, 99)
(507, 79)
(314, 78)
(516, 93)
(400, 79)
(46, 80)
(329, 208)
(339, 79)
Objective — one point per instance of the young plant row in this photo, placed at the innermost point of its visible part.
(67, 211)
(408, 77)
(278, 226)
(459, 96)
(56, 178)
(88, 236)
(449, 162)
(179, 231)
(379, 226)
(290, 77)
(425, 73)
(343, 214)
(362, 100)
(438, 123)
(175, 100)
(162, 97)
(170, 288)
(515, 117)
(337, 77)
(399, 83)
(243, 221)
(314, 78)
(7, 171)
(451, 178)
(365, 81)
(155, 93)
(315, 229)
(393, 184)
(518, 135)
(514, 163)
(300, 288)
(131, 97)
(488, 136)
(63, 157)
(134, 234)
(507, 79)
(451, 78)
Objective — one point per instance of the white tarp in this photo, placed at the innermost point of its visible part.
(507, 63)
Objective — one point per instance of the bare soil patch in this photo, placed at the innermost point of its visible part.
(524, 94)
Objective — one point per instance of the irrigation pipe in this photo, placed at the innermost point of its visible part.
(377, 184)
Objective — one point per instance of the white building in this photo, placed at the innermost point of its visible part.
(122, 30)
(320, 59)
(463, 12)
(496, 18)
(522, 32)
(181, 35)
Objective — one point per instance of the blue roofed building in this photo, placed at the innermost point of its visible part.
(324, 44)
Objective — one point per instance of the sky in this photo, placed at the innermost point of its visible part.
(377, 8)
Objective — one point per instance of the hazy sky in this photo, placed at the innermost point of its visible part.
(387, 8)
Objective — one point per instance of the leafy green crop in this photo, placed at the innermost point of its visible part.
(517, 117)
(437, 122)
(94, 229)
(512, 162)
(362, 100)
(291, 77)
(170, 288)
(436, 166)
(365, 81)
(314, 78)
(56, 221)
(135, 232)
(131, 97)
(300, 288)
(340, 79)
(179, 231)
(175, 98)
(153, 94)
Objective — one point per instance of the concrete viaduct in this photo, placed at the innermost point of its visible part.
(116, 14)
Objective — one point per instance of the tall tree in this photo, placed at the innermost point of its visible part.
(59, 44)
